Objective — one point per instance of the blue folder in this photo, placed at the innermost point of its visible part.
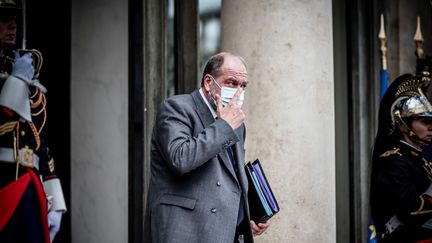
(260, 193)
(262, 202)
(265, 187)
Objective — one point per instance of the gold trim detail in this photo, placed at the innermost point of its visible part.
(35, 134)
(7, 127)
(26, 157)
(391, 152)
(51, 165)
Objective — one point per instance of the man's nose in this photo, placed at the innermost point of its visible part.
(12, 24)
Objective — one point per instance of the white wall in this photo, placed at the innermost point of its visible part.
(99, 121)
(289, 108)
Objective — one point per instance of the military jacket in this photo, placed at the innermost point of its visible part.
(22, 144)
(400, 188)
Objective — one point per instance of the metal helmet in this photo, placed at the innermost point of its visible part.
(410, 100)
(8, 4)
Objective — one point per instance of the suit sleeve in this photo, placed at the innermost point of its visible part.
(183, 141)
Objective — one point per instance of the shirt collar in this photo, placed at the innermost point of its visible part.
(404, 142)
(208, 104)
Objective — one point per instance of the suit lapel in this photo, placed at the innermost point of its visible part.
(202, 109)
(223, 156)
(239, 156)
(207, 119)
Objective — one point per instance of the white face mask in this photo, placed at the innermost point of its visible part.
(227, 94)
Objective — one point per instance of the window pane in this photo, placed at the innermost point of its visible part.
(169, 52)
(210, 30)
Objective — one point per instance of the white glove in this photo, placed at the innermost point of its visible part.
(54, 221)
(429, 191)
(23, 67)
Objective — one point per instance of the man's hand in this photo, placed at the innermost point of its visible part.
(232, 113)
(260, 228)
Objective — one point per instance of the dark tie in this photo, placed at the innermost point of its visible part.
(232, 159)
(234, 164)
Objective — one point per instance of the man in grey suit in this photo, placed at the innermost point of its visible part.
(198, 186)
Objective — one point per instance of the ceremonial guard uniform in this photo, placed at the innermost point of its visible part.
(403, 205)
(31, 197)
(401, 190)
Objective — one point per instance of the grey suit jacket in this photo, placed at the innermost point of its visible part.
(194, 193)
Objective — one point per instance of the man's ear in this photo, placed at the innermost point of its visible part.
(403, 129)
(207, 83)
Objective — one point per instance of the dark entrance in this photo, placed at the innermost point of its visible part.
(48, 30)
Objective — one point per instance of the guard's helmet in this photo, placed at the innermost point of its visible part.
(9, 4)
(411, 101)
(9, 9)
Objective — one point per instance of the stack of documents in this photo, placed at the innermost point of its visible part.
(262, 202)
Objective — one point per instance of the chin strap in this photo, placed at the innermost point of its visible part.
(414, 137)
(410, 132)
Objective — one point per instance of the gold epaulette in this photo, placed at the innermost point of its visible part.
(391, 152)
(7, 127)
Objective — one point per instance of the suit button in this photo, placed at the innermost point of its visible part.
(218, 183)
(213, 210)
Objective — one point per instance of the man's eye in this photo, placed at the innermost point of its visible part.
(426, 121)
(231, 83)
